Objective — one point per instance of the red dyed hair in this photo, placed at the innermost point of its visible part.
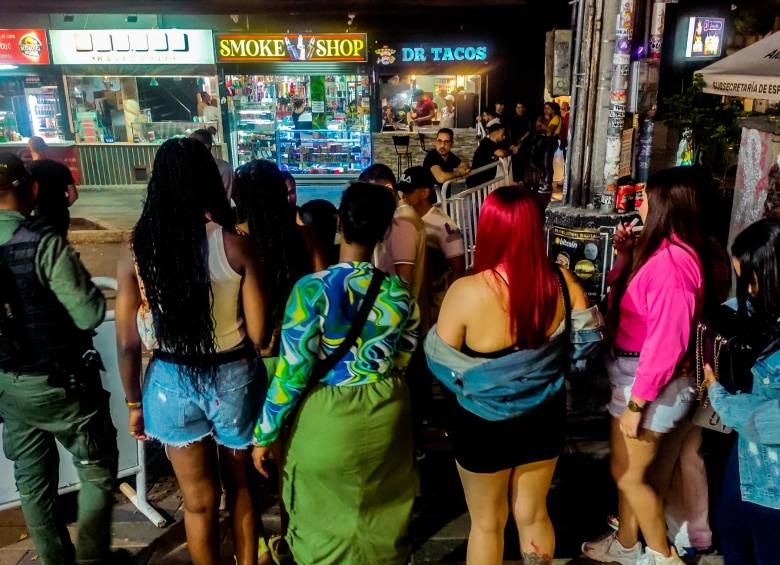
(510, 234)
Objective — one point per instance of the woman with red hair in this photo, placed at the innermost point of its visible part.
(506, 336)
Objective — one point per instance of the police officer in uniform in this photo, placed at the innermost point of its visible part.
(49, 377)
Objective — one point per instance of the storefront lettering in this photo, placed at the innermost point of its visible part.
(132, 46)
(443, 54)
(253, 47)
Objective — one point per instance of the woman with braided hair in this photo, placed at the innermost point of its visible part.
(189, 290)
(287, 250)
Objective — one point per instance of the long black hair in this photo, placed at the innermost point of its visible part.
(260, 194)
(757, 249)
(171, 250)
(673, 211)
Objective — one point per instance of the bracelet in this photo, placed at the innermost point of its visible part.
(133, 404)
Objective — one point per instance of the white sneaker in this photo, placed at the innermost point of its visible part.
(608, 549)
(652, 557)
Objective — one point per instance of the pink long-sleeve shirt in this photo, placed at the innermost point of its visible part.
(657, 313)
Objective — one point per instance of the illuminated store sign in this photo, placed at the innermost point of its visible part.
(705, 37)
(387, 55)
(132, 46)
(295, 47)
(23, 47)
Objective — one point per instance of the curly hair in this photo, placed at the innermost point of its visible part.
(171, 251)
(260, 194)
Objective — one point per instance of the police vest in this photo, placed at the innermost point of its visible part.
(37, 335)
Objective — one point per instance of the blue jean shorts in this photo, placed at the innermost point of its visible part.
(177, 414)
(663, 414)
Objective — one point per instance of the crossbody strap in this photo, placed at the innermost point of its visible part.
(566, 297)
(324, 367)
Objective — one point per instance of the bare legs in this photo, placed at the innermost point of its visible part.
(197, 471)
(488, 499)
(640, 505)
(530, 485)
(236, 465)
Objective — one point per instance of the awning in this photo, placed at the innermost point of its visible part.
(752, 72)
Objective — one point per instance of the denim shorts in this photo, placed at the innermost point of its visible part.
(665, 412)
(177, 414)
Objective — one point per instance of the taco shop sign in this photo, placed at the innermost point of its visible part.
(432, 53)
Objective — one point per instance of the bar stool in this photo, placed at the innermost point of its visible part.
(422, 143)
(402, 151)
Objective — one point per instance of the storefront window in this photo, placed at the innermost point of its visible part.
(29, 105)
(400, 94)
(308, 124)
(145, 109)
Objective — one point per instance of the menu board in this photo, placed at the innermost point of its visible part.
(705, 37)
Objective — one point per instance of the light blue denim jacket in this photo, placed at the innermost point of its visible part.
(506, 387)
(756, 418)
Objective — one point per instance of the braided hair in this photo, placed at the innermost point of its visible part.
(260, 194)
(171, 251)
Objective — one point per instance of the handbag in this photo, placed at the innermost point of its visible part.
(723, 343)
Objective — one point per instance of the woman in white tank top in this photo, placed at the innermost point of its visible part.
(189, 290)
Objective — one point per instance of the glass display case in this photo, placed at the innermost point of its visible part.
(307, 124)
(45, 113)
(306, 152)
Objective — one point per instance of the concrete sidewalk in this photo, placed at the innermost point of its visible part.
(116, 209)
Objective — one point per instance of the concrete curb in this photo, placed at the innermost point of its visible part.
(106, 234)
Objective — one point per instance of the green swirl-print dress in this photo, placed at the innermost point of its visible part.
(349, 479)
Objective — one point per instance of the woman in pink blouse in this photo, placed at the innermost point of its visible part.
(657, 290)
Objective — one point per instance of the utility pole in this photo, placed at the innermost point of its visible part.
(621, 66)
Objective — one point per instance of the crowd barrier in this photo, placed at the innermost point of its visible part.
(131, 452)
(464, 204)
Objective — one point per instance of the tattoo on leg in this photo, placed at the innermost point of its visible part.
(535, 558)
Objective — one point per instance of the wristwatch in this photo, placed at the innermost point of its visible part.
(634, 407)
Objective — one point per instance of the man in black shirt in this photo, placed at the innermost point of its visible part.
(520, 130)
(443, 164)
(488, 150)
(56, 188)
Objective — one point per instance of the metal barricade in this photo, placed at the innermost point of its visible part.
(464, 206)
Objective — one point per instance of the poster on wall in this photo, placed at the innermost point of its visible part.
(705, 37)
(23, 47)
(585, 252)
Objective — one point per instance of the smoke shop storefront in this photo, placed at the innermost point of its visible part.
(301, 100)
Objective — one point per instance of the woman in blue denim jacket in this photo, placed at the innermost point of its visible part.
(747, 519)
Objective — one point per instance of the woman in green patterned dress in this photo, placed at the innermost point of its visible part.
(349, 479)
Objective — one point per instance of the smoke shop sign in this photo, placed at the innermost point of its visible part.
(430, 53)
(292, 47)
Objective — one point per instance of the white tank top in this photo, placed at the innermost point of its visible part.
(229, 328)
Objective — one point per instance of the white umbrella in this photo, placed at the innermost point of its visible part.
(752, 72)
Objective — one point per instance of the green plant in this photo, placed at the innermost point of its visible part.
(713, 123)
